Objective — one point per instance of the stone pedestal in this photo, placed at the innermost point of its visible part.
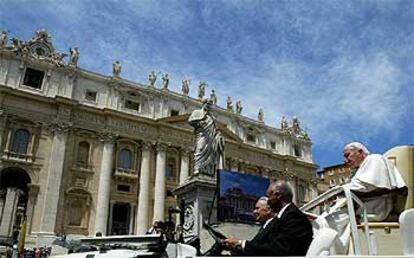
(198, 194)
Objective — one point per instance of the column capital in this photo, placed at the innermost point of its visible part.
(146, 145)
(185, 150)
(107, 137)
(161, 146)
(58, 127)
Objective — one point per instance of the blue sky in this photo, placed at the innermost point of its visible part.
(345, 68)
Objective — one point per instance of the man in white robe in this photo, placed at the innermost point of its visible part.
(374, 181)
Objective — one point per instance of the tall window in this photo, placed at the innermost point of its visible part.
(171, 169)
(125, 159)
(21, 141)
(83, 153)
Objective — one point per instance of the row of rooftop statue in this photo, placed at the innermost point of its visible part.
(40, 47)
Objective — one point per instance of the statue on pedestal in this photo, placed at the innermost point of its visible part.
(209, 150)
(239, 107)
(116, 69)
(229, 104)
(185, 89)
(152, 78)
(165, 81)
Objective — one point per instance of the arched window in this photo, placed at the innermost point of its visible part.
(20, 141)
(83, 153)
(125, 159)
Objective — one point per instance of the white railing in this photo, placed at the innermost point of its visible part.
(350, 198)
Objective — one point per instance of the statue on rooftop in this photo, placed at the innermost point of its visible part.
(239, 107)
(213, 97)
(296, 125)
(283, 123)
(3, 39)
(165, 81)
(260, 115)
(74, 56)
(201, 90)
(116, 69)
(229, 104)
(152, 78)
(185, 87)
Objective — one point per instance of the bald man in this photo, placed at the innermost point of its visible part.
(289, 233)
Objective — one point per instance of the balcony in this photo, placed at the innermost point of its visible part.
(125, 175)
(19, 157)
(82, 167)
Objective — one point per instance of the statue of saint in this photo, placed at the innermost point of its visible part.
(116, 69)
(239, 107)
(260, 116)
(229, 103)
(185, 87)
(152, 78)
(213, 97)
(74, 56)
(296, 125)
(201, 90)
(3, 39)
(165, 81)
(209, 149)
(283, 123)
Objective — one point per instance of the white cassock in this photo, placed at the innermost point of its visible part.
(375, 172)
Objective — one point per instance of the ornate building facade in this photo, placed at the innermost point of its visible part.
(83, 152)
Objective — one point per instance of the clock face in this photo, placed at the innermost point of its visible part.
(40, 50)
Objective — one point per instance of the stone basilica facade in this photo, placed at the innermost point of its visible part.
(82, 152)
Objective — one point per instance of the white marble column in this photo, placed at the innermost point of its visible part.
(9, 211)
(111, 213)
(31, 203)
(131, 219)
(184, 168)
(3, 193)
(104, 191)
(159, 190)
(144, 185)
(54, 179)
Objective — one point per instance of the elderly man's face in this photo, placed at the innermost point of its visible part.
(274, 201)
(262, 211)
(353, 158)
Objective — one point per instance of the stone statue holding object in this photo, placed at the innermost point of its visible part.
(213, 97)
(165, 81)
(260, 115)
(201, 90)
(239, 107)
(283, 123)
(185, 88)
(209, 149)
(116, 69)
(229, 104)
(74, 56)
(3, 39)
(152, 78)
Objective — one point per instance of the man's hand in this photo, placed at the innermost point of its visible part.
(232, 243)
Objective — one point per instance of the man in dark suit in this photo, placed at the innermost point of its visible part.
(289, 233)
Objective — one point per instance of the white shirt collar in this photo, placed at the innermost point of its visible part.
(280, 213)
(267, 222)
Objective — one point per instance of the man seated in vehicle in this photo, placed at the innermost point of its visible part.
(377, 182)
(289, 233)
